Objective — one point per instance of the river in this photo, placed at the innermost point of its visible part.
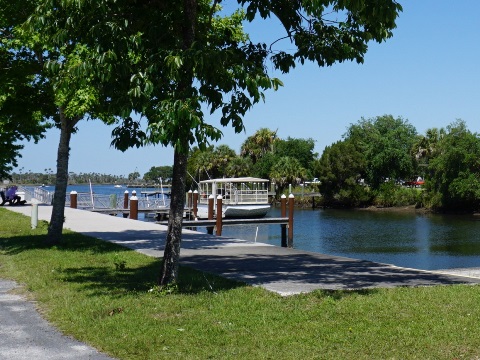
(407, 239)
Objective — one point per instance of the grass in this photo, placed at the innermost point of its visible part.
(105, 295)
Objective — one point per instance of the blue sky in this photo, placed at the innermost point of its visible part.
(427, 73)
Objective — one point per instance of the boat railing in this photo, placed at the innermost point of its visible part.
(88, 201)
(145, 203)
(93, 201)
(242, 197)
(42, 195)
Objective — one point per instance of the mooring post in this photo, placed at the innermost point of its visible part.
(189, 199)
(211, 199)
(291, 203)
(125, 203)
(283, 213)
(73, 199)
(134, 206)
(189, 204)
(195, 203)
(219, 215)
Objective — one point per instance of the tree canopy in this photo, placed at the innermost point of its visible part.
(25, 96)
(386, 143)
(454, 170)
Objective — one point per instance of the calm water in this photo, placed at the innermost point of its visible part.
(405, 239)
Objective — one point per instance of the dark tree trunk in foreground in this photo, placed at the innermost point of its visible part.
(173, 242)
(58, 211)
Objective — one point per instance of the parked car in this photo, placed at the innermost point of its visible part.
(416, 182)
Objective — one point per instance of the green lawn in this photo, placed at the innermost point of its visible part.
(105, 295)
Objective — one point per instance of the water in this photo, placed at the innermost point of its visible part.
(407, 239)
(401, 238)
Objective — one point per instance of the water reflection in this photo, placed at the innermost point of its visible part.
(401, 238)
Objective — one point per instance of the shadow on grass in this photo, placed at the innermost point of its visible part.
(120, 271)
(107, 280)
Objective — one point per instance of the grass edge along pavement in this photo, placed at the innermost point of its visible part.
(105, 295)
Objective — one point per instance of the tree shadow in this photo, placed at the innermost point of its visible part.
(110, 278)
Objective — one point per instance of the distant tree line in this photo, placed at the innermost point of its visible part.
(371, 165)
(47, 177)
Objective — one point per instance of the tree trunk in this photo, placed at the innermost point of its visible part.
(171, 256)
(58, 211)
(173, 242)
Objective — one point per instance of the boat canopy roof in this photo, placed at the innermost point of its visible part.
(234, 180)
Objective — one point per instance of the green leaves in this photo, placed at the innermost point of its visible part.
(454, 168)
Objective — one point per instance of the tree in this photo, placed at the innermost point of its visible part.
(300, 149)
(287, 170)
(61, 84)
(24, 93)
(200, 163)
(157, 172)
(134, 176)
(222, 156)
(454, 181)
(173, 57)
(239, 167)
(425, 147)
(340, 171)
(259, 144)
(386, 143)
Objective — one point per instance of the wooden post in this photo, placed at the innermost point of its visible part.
(134, 206)
(125, 203)
(73, 199)
(291, 203)
(211, 199)
(195, 203)
(283, 213)
(218, 213)
(189, 199)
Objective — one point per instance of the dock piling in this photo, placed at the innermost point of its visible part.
(283, 213)
(195, 204)
(291, 203)
(73, 199)
(210, 213)
(134, 206)
(219, 215)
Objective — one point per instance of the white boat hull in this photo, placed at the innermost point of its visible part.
(236, 211)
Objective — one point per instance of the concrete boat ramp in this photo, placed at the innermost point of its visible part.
(282, 270)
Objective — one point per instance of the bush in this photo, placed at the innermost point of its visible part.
(390, 194)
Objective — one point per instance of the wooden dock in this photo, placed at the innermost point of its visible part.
(226, 222)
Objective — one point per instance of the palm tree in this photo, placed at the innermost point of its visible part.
(239, 166)
(222, 155)
(259, 144)
(287, 171)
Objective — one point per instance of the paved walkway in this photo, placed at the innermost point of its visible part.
(25, 335)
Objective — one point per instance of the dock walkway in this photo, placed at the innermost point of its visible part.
(282, 270)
